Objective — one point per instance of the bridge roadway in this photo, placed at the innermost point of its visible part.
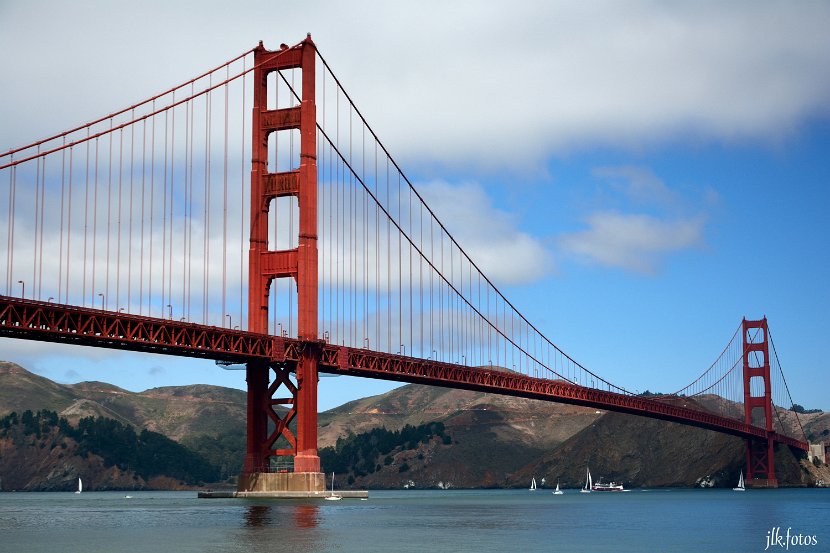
(51, 322)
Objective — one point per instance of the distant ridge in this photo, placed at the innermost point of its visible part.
(489, 441)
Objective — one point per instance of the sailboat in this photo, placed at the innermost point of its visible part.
(557, 491)
(741, 487)
(588, 482)
(533, 484)
(80, 486)
(332, 496)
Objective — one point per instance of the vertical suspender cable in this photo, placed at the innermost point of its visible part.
(164, 298)
(143, 198)
(86, 221)
(171, 213)
(225, 203)
(94, 224)
(60, 255)
(208, 201)
(130, 231)
(10, 230)
(152, 210)
(242, 206)
(118, 220)
(69, 224)
(36, 260)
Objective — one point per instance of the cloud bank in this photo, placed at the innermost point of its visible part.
(465, 83)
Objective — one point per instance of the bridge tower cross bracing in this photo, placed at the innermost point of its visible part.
(299, 263)
(760, 458)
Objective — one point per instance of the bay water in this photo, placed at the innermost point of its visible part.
(420, 520)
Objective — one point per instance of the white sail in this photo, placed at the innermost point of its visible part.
(588, 482)
(80, 486)
(741, 485)
(533, 484)
(332, 496)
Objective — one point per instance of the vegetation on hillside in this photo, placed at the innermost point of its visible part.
(796, 408)
(359, 455)
(224, 452)
(146, 453)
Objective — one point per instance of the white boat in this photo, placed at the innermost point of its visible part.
(741, 486)
(333, 496)
(557, 491)
(533, 484)
(80, 486)
(609, 487)
(589, 484)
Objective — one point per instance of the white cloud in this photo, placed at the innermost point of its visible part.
(490, 236)
(636, 220)
(632, 242)
(638, 184)
(477, 84)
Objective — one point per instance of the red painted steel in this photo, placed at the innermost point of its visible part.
(299, 263)
(366, 363)
(279, 363)
(51, 322)
(760, 453)
(28, 319)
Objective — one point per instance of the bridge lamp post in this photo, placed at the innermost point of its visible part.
(50, 299)
(403, 350)
(435, 355)
(280, 325)
(326, 336)
(230, 320)
(464, 360)
(103, 301)
(22, 289)
(366, 341)
(170, 311)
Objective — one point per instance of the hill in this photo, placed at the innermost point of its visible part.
(209, 420)
(483, 440)
(501, 441)
(177, 412)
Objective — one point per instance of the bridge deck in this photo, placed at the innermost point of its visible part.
(44, 321)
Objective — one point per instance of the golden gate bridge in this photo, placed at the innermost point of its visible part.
(251, 215)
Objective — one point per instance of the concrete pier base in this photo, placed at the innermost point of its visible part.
(345, 494)
(310, 482)
(283, 485)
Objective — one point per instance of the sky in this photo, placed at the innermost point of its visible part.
(637, 177)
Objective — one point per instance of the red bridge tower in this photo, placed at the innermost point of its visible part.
(760, 459)
(298, 263)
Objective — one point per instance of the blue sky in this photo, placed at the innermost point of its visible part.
(663, 167)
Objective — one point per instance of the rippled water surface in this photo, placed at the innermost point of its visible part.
(403, 521)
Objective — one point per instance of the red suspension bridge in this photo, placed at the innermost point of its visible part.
(251, 215)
